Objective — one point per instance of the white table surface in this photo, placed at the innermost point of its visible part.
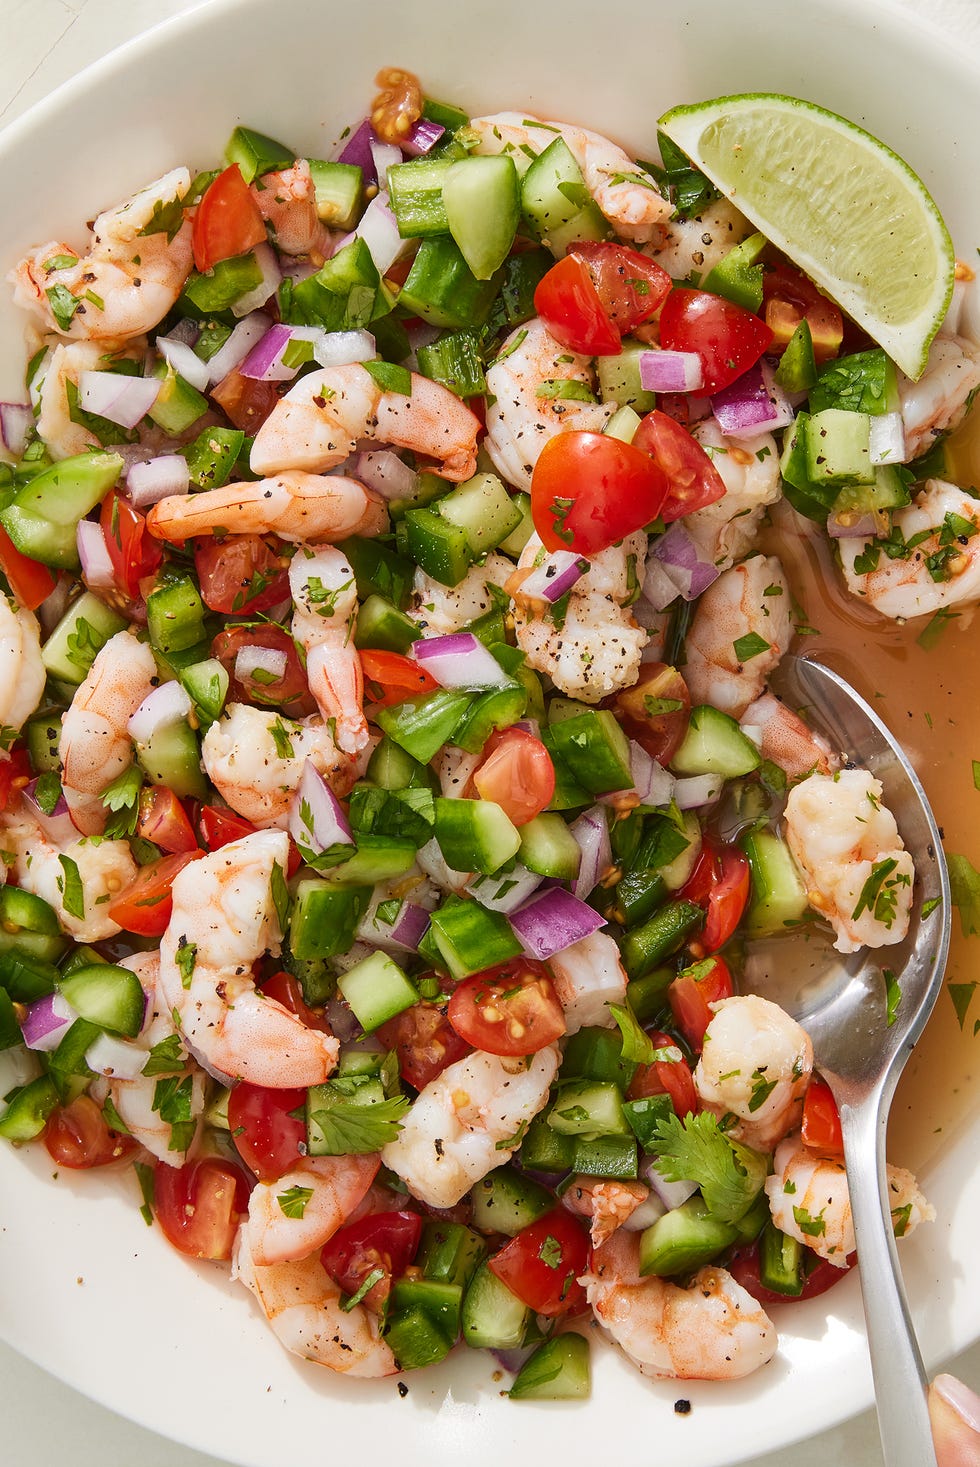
(42, 44)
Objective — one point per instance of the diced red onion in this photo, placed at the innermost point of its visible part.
(108, 1055)
(755, 403)
(557, 574)
(385, 472)
(422, 137)
(185, 361)
(513, 1360)
(264, 362)
(887, 443)
(460, 660)
(270, 662)
(684, 561)
(342, 1022)
(507, 890)
(357, 150)
(58, 826)
(98, 571)
(16, 422)
(529, 725)
(113, 395)
(671, 1194)
(316, 817)
(849, 525)
(650, 1210)
(158, 478)
(340, 348)
(421, 333)
(379, 230)
(46, 1022)
(268, 263)
(234, 351)
(296, 270)
(434, 864)
(658, 588)
(591, 830)
(553, 921)
(164, 706)
(653, 783)
(697, 790)
(404, 934)
(385, 156)
(671, 371)
(185, 331)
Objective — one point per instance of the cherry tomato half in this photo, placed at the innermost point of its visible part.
(691, 994)
(242, 574)
(391, 678)
(15, 773)
(133, 551)
(542, 1263)
(727, 338)
(144, 905)
(597, 294)
(790, 297)
(821, 1121)
(227, 222)
(517, 774)
(721, 883)
(694, 480)
(78, 1135)
(655, 711)
(666, 1077)
(30, 581)
(588, 490)
(424, 1041)
(287, 990)
(511, 1009)
(268, 1135)
(385, 1240)
(200, 1205)
(245, 401)
(219, 827)
(163, 820)
(289, 691)
(630, 286)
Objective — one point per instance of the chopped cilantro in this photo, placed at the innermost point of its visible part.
(70, 886)
(165, 1058)
(761, 1090)
(550, 1252)
(962, 996)
(280, 737)
(893, 996)
(47, 791)
(172, 1100)
(347, 1128)
(809, 1226)
(293, 1201)
(280, 895)
(749, 646)
(122, 799)
(185, 957)
(964, 881)
(696, 1150)
(63, 304)
(390, 377)
(167, 217)
(367, 1284)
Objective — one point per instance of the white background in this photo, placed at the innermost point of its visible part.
(43, 43)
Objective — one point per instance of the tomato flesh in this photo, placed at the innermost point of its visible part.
(744, 1269)
(163, 820)
(289, 691)
(144, 906)
(78, 1136)
(387, 1241)
(391, 678)
(219, 827)
(597, 294)
(694, 480)
(199, 1206)
(542, 1264)
(424, 1041)
(511, 1009)
(15, 773)
(133, 551)
(228, 221)
(655, 711)
(517, 774)
(721, 882)
(286, 989)
(267, 1134)
(631, 287)
(727, 338)
(30, 581)
(821, 1120)
(245, 401)
(241, 574)
(589, 490)
(691, 994)
(666, 1077)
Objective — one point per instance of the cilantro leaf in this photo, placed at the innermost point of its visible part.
(47, 791)
(167, 218)
(63, 304)
(165, 1058)
(280, 737)
(172, 1100)
(637, 1044)
(122, 798)
(810, 1226)
(185, 957)
(293, 1201)
(749, 646)
(964, 881)
(730, 1175)
(347, 1128)
(550, 1252)
(70, 886)
(367, 1284)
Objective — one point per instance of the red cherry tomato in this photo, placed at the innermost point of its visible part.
(727, 338)
(691, 994)
(721, 883)
(242, 574)
(666, 1077)
(133, 551)
(655, 711)
(286, 989)
(568, 303)
(145, 904)
(289, 692)
(822, 1275)
(15, 773)
(163, 820)
(78, 1135)
(219, 827)
(517, 774)
(228, 221)
(694, 480)
(511, 1009)
(268, 1135)
(821, 1121)
(630, 286)
(200, 1205)
(790, 297)
(385, 1240)
(245, 401)
(588, 490)
(424, 1041)
(30, 581)
(391, 678)
(541, 1265)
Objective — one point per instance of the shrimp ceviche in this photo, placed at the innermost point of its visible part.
(391, 785)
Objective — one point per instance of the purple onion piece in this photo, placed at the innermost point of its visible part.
(553, 577)
(749, 406)
(317, 821)
(378, 228)
(357, 150)
(46, 1021)
(653, 783)
(671, 371)
(422, 137)
(553, 921)
(460, 660)
(16, 422)
(383, 471)
(58, 826)
(684, 562)
(123, 400)
(243, 337)
(591, 830)
(166, 705)
(851, 526)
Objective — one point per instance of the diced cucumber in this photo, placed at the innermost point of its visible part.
(475, 835)
(779, 897)
(441, 1301)
(255, 153)
(588, 1108)
(341, 1101)
(28, 1110)
(684, 1239)
(890, 490)
(41, 735)
(647, 996)
(550, 848)
(29, 926)
(623, 424)
(544, 1149)
(483, 510)
(325, 917)
(380, 624)
(557, 1371)
(442, 289)
(838, 448)
(605, 1156)
(515, 542)
(807, 498)
(171, 757)
(594, 749)
(714, 744)
(646, 947)
(493, 1318)
(207, 686)
(482, 199)
(415, 191)
(416, 1339)
(79, 636)
(676, 873)
(645, 1114)
(619, 379)
(376, 990)
(179, 405)
(470, 938)
(449, 1252)
(637, 895)
(338, 188)
(391, 768)
(506, 1201)
(377, 858)
(106, 995)
(557, 202)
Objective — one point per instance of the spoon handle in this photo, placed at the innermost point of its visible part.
(896, 1365)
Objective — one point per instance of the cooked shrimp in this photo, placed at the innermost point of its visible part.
(940, 571)
(329, 1188)
(439, 609)
(749, 599)
(254, 757)
(938, 401)
(130, 278)
(598, 645)
(726, 530)
(22, 673)
(711, 1330)
(224, 918)
(467, 1121)
(627, 196)
(755, 1066)
(95, 746)
(809, 1200)
(303, 1304)
(588, 978)
(295, 506)
(784, 739)
(320, 420)
(523, 410)
(102, 868)
(857, 871)
(287, 202)
(607, 1205)
(324, 594)
(692, 247)
(62, 368)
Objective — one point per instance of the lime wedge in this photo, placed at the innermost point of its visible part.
(844, 208)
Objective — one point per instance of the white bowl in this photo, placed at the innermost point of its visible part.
(85, 1288)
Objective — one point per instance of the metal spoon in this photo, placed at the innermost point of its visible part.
(841, 1002)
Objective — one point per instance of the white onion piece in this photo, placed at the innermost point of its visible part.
(506, 891)
(36, 384)
(340, 348)
(113, 395)
(108, 1055)
(653, 783)
(379, 230)
(265, 660)
(164, 706)
(97, 569)
(268, 284)
(434, 864)
(158, 478)
(658, 589)
(185, 361)
(671, 1194)
(16, 422)
(460, 660)
(237, 347)
(650, 1210)
(697, 790)
(887, 444)
(385, 156)
(385, 472)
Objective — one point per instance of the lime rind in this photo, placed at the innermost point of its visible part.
(840, 203)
